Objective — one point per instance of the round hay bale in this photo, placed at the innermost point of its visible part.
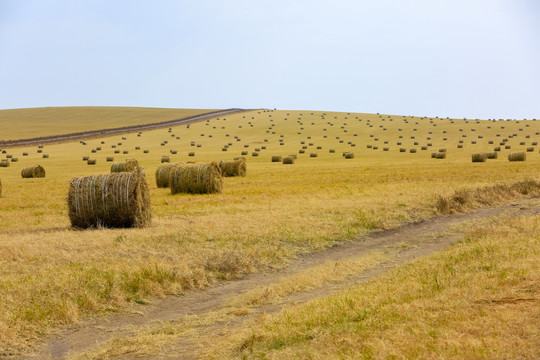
(173, 151)
(385, 149)
(9, 156)
(33, 172)
(4, 163)
(440, 155)
(412, 151)
(529, 149)
(129, 165)
(301, 151)
(112, 200)
(125, 152)
(237, 167)
(497, 148)
(91, 161)
(117, 151)
(517, 156)
(146, 151)
(288, 160)
(479, 157)
(402, 150)
(165, 159)
(313, 155)
(492, 155)
(196, 179)
(110, 158)
(24, 154)
(348, 155)
(254, 153)
(331, 151)
(191, 154)
(163, 175)
(85, 158)
(14, 159)
(276, 158)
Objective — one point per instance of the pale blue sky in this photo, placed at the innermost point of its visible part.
(458, 58)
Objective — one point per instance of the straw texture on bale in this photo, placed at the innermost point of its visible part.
(480, 157)
(196, 179)
(234, 168)
(129, 165)
(517, 156)
(33, 172)
(288, 160)
(163, 175)
(111, 200)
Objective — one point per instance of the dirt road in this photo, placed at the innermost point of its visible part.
(421, 239)
(114, 131)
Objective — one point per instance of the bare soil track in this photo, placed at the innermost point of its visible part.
(115, 131)
(421, 238)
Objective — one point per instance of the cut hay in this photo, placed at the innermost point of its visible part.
(288, 160)
(276, 158)
(33, 172)
(112, 200)
(517, 156)
(163, 175)
(480, 157)
(234, 168)
(129, 165)
(196, 179)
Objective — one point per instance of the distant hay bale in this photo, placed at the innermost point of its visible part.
(402, 150)
(129, 165)
(440, 155)
(412, 151)
(173, 151)
(530, 149)
(33, 172)
(110, 158)
(313, 155)
(442, 150)
(14, 159)
(254, 153)
(288, 160)
(163, 174)
(276, 158)
(301, 151)
(45, 156)
(4, 163)
(91, 161)
(191, 154)
(479, 157)
(24, 154)
(234, 168)
(85, 158)
(497, 148)
(165, 159)
(348, 155)
(517, 156)
(146, 151)
(331, 151)
(112, 200)
(196, 179)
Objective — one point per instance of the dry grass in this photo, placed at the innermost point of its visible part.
(51, 275)
(36, 122)
(478, 299)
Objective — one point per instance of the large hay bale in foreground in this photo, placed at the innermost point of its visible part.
(111, 200)
(129, 165)
(33, 172)
(196, 179)
(480, 157)
(234, 168)
(163, 174)
(517, 156)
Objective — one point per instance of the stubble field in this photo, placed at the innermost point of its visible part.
(52, 275)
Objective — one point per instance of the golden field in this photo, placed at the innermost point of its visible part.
(52, 275)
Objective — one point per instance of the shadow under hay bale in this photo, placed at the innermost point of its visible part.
(480, 157)
(196, 179)
(129, 165)
(112, 200)
(517, 156)
(163, 175)
(33, 172)
(237, 167)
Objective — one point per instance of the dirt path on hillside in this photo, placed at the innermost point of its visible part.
(115, 131)
(411, 241)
